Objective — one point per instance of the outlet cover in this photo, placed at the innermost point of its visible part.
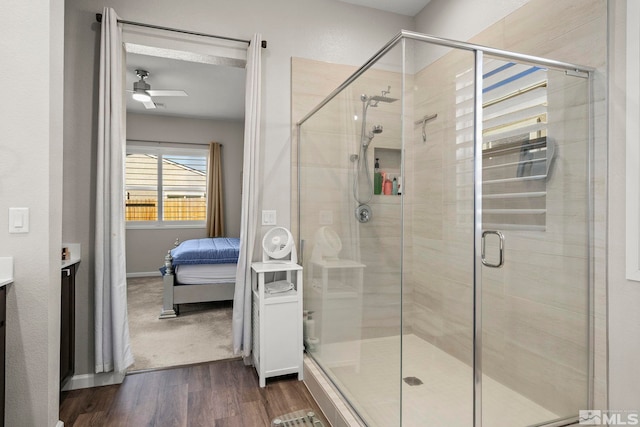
(268, 217)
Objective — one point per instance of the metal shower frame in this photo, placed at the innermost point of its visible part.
(479, 52)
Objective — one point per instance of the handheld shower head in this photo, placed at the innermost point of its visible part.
(377, 129)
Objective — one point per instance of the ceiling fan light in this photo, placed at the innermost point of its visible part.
(141, 96)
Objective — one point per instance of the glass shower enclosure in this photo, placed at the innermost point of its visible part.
(445, 215)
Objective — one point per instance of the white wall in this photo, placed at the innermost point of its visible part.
(146, 248)
(459, 20)
(624, 295)
(326, 30)
(463, 19)
(31, 176)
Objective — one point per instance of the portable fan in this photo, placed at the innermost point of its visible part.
(327, 245)
(278, 246)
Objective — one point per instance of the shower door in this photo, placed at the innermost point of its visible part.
(438, 237)
(496, 239)
(533, 304)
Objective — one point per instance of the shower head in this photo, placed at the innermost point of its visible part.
(379, 98)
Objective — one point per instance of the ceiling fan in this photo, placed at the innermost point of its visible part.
(142, 91)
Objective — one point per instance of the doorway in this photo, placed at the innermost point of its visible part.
(169, 136)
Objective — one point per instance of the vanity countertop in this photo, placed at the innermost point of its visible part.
(74, 249)
(6, 270)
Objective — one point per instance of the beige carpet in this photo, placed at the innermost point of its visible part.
(201, 333)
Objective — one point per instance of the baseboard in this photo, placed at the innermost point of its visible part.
(93, 380)
(144, 274)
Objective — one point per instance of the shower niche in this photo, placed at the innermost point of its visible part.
(389, 160)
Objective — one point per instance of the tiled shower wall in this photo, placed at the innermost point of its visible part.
(535, 308)
(542, 285)
(331, 137)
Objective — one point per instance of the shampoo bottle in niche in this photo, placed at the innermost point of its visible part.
(394, 186)
(377, 178)
(387, 187)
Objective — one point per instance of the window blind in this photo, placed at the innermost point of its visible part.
(517, 152)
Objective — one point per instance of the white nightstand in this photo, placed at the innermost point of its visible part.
(277, 321)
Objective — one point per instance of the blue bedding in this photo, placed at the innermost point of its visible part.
(216, 250)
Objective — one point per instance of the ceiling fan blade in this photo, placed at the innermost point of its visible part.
(149, 105)
(167, 92)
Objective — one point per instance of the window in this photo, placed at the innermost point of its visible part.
(165, 185)
(516, 151)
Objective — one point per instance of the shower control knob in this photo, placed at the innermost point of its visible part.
(363, 213)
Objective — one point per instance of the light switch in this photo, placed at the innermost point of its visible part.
(18, 220)
(268, 217)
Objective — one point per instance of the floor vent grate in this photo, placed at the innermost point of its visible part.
(305, 418)
(412, 381)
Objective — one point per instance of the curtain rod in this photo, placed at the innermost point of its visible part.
(175, 30)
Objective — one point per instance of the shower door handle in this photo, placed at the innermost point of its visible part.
(500, 250)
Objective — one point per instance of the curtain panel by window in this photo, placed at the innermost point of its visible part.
(215, 199)
(113, 351)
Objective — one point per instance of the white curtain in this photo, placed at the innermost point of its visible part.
(113, 351)
(250, 200)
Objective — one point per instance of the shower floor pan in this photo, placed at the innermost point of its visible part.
(445, 397)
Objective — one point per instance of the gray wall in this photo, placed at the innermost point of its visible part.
(31, 176)
(147, 248)
(303, 28)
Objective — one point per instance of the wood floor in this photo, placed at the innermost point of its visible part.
(221, 394)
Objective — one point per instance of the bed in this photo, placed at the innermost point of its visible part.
(199, 270)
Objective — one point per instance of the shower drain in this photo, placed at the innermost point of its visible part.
(412, 380)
